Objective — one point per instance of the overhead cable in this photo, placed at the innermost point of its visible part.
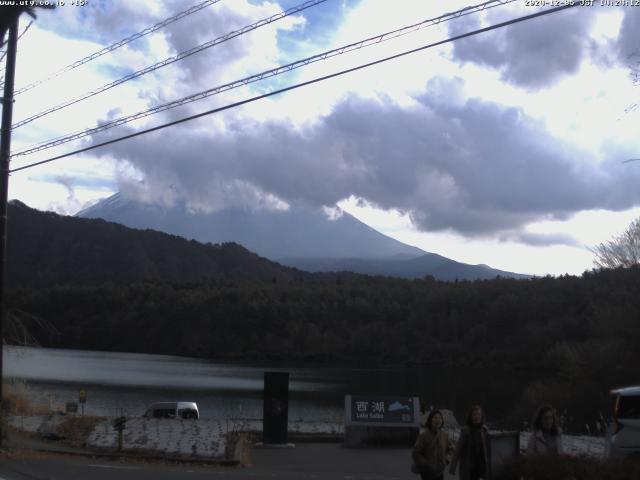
(175, 58)
(26, 29)
(299, 85)
(118, 44)
(260, 76)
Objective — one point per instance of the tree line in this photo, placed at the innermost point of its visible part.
(569, 325)
(572, 338)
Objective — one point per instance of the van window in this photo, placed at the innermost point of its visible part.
(188, 414)
(163, 413)
(629, 407)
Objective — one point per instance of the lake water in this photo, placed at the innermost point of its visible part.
(126, 383)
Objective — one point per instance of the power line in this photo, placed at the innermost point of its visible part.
(260, 76)
(119, 44)
(25, 29)
(303, 84)
(170, 60)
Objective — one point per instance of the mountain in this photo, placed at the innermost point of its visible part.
(46, 249)
(302, 238)
(296, 233)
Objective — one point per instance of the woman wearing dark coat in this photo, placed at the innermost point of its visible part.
(473, 449)
(431, 448)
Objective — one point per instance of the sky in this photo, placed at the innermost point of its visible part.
(507, 148)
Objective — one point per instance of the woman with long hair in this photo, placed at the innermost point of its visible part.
(546, 438)
(473, 448)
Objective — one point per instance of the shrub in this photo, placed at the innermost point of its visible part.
(15, 401)
(569, 468)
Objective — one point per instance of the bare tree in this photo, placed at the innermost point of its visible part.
(20, 327)
(621, 251)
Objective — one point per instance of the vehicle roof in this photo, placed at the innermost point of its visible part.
(626, 391)
(174, 405)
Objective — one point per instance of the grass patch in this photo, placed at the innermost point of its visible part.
(16, 401)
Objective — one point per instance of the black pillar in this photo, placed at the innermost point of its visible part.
(276, 407)
(5, 151)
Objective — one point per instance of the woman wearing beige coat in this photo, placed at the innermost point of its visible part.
(546, 438)
(431, 448)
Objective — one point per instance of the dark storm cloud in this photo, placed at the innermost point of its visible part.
(532, 54)
(475, 167)
(628, 43)
(209, 25)
(251, 52)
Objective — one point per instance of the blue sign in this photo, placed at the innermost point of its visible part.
(373, 410)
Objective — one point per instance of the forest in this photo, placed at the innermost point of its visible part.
(591, 320)
(569, 335)
(90, 284)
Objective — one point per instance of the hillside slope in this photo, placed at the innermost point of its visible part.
(46, 249)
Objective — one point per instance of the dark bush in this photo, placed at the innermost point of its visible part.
(569, 468)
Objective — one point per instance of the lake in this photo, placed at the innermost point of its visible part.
(126, 383)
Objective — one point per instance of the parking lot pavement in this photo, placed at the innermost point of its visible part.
(304, 462)
(332, 460)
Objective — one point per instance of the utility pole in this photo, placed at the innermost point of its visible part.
(5, 152)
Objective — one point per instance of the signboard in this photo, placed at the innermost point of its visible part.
(120, 423)
(82, 396)
(382, 411)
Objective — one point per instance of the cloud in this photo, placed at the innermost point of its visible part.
(473, 167)
(92, 182)
(535, 54)
(540, 239)
(532, 54)
(333, 213)
(628, 42)
(102, 22)
(71, 204)
(250, 53)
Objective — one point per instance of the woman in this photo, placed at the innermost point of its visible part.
(546, 438)
(430, 451)
(473, 449)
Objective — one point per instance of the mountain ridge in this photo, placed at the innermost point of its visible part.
(300, 238)
(274, 234)
(45, 249)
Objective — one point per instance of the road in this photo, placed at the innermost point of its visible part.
(305, 462)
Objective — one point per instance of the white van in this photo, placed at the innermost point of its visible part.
(184, 410)
(624, 433)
